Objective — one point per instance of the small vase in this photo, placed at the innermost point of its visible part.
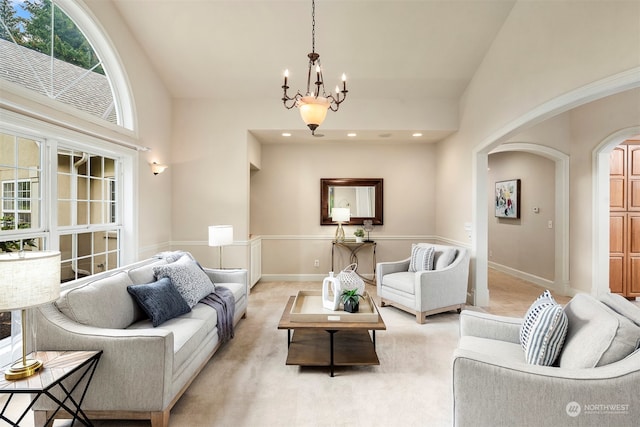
(351, 306)
(358, 239)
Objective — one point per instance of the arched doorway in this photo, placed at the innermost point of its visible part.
(583, 95)
(601, 159)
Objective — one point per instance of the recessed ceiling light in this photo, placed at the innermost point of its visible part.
(286, 134)
(352, 134)
(417, 134)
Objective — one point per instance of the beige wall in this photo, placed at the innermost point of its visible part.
(285, 201)
(525, 245)
(543, 52)
(153, 107)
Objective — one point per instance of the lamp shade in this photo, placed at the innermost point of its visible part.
(28, 279)
(313, 110)
(220, 235)
(340, 214)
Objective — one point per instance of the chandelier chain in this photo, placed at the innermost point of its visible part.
(313, 26)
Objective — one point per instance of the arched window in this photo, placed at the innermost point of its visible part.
(52, 48)
(62, 188)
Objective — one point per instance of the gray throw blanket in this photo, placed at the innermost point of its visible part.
(223, 302)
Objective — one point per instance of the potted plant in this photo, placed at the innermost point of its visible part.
(350, 299)
(359, 233)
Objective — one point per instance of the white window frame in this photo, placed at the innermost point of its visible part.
(15, 199)
(51, 137)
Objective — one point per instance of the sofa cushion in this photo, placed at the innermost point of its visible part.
(160, 300)
(501, 350)
(403, 281)
(103, 303)
(597, 335)
(444, 257)
(421, 258)
(189, 332)
(190, 280)
(622, 306)
(144, 274)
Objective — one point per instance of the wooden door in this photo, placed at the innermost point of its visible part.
(624, 220)
(633, 178)
(617, 179)
(632, 285)
(617, 251)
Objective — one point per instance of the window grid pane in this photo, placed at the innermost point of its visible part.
(20, 173)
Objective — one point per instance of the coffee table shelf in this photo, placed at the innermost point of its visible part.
(350, 348)
(331, 344)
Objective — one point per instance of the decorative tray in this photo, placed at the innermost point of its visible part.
(307, 307)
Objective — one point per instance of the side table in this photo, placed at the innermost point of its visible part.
(53, 380)
(354, 247)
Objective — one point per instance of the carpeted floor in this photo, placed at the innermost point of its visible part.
(247, 383)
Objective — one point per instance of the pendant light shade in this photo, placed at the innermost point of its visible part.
(313, 110)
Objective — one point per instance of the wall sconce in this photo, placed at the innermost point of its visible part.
(340, 215)
(157, 168)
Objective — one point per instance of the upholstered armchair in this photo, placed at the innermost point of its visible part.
(439, 285)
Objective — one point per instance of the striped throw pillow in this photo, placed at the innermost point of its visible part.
(421, 258)
(543, 331)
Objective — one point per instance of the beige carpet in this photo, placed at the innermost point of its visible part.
(247, 383)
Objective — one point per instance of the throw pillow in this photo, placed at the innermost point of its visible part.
(190, 280)
(421, 258)
(115, 308)
(160, 300)
(444, 258)
(532, 314)
(546, 335)
(543, 330)
(597, 335)
(622, 306)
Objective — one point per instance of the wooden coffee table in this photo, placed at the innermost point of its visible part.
(330, 343)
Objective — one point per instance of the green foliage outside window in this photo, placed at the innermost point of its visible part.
(7, 223)
(34, 32)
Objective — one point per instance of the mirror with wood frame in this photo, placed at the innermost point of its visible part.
(363, 196)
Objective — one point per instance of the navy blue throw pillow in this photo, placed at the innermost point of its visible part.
(160, 300)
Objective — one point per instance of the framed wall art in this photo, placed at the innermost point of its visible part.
(508, 199)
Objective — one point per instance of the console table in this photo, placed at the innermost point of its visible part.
(56, 381)
(354, 247)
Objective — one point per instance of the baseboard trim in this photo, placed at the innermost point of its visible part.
(537, 280)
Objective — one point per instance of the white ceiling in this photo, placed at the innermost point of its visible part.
(223, 49)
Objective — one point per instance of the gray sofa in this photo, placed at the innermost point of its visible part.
(144, 369)
(595, 380)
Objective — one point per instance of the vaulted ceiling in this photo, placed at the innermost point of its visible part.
(402, 50)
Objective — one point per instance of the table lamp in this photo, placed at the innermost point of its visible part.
(220, 235)
(340, 215)
(27, 279)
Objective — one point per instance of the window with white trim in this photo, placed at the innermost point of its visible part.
(87, 209)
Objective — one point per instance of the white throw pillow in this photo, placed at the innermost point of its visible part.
(543, 330)
(421, 258)
(187, 276)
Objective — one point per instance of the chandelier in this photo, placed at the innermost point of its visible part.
(315, 103)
